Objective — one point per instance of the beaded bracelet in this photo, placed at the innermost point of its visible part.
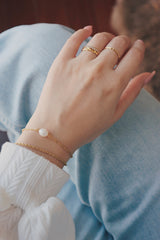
(41, 150)
(45, 133)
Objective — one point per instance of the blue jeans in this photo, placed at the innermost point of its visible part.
(116, 190)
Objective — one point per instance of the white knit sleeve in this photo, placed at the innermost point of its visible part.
(29, 208)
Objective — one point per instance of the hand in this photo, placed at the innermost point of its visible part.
(84, 95)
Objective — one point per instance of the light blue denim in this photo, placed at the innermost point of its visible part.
(117, 177)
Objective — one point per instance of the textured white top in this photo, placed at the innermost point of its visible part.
(29, 209)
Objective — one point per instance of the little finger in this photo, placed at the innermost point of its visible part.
(131, 92)
(128, 66)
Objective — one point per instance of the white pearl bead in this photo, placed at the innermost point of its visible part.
(43, 132)
(5, 201)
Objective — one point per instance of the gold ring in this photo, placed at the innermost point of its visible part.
(114, 50)
(91, 49)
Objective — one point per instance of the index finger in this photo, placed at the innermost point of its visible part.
(72, 45)
(129, 64)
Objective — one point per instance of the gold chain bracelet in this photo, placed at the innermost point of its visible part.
(45, 133)
(41, 150)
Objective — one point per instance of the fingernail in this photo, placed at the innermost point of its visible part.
(139, 43)
(149, 78)
(89, 27)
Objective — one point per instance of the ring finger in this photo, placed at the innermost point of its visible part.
(115, 50)
(96, 45)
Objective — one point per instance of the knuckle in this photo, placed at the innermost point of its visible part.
(103, 36)
(93, 74)
(97, 69)
(109, 90)
(122, 40)
(97, 35)
(120, 81)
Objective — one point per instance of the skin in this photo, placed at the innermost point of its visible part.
(116, 20)
(88, 96)
(118, 26)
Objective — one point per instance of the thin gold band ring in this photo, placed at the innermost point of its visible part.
(91, 49)
(114, 50)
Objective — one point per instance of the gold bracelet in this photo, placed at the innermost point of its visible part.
(44, 133)
(41, 150)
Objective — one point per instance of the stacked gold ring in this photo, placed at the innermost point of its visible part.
(114, 50)
(97, 52)
(91, 49)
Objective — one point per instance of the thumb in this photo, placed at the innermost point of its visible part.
(131, 92)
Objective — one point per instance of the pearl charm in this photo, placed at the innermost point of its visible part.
(5, 201)
(43, 132)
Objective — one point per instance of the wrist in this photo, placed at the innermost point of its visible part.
(43, 147)
(59, 130)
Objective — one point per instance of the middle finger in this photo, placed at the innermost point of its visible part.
(99, 41)
(114, 51)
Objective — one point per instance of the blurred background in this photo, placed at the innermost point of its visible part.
(72, 13)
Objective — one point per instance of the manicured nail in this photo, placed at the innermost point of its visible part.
(89, 27)
(149, 78)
